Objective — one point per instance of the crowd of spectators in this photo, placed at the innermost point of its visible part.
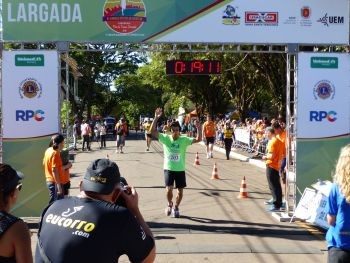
(254, 127)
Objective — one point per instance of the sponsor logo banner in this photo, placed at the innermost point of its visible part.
(29, 60)
(81, 20)
(323, 97)
(261, 18)
(287, 22)
(31, 91)
(154, 21)
(324, 62)
(322, 115)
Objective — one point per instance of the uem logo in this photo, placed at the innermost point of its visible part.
(320, 115)
(331, 20)
(26, 115)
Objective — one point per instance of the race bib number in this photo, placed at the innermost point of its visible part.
(174, 158)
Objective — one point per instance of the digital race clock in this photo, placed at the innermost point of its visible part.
(193, 67)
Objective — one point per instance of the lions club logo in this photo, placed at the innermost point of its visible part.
(324, 89)
(30, 88)
(124, 16)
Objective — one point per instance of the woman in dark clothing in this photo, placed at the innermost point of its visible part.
(15, 243)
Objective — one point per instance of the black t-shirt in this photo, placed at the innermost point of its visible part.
(86, 230)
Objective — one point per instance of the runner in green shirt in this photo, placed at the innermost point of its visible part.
(174, 160)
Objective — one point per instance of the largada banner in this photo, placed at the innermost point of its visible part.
(190, 21)
(30, 117)
(323, 115)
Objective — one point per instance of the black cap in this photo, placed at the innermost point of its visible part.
(101, 176)
(9, 178)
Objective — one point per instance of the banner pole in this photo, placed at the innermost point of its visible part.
(1, 114)
(63, 49)
(67, 100)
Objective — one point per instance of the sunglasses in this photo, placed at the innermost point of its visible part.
(19, 187)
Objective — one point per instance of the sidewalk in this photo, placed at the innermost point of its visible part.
(215, 225)
(244, 156)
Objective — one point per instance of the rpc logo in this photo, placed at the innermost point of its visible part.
(26, 115)
(320, 115)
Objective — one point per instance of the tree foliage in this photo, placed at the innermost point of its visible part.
(137, 98)
(249, 82)
(99, 70)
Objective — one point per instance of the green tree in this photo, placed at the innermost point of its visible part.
(136, 97)
(272, 68)
(99, 70)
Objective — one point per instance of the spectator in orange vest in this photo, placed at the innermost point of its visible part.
(56, 173)
(281, 135)
(273, 159)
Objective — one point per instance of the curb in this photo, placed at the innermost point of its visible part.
(240, 157)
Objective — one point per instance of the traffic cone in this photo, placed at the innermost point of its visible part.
(196, 161)
(214, 174)
(243, 190)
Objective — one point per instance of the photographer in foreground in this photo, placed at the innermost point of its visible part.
(91, 227)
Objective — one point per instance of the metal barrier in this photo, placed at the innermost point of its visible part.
(245, 140)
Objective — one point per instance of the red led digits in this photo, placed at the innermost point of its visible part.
(218, 67)
(180, 67)
(197, 67)
(193, 67)
(210, 67)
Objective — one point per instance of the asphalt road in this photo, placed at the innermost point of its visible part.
(215, 225)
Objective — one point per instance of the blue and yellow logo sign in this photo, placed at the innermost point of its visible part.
(230, 16)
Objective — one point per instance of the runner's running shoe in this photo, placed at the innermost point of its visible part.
(175, 213)
(168, 210)
(269, 202)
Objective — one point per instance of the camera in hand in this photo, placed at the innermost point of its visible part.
(124, 186)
